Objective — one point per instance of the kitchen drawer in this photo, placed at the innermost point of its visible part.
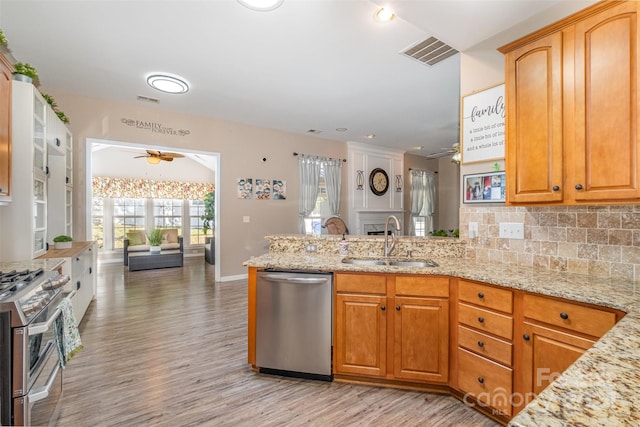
(484, 345)
(487, 381)
(486, 321)
(486, 296)
(421, 286)
(361, 283)
(588, 320)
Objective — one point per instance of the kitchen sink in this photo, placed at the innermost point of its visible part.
(364, 261)
(395, 262)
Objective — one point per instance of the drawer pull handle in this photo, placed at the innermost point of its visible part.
(526, 337)
(564, 316)
(398, 307)
(383, 308)
(481, 319)
(556, 188)
(481, 380)
(480, 295)
(578, 186)
(480, 344)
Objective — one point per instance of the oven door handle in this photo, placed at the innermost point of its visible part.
(43, 392)
(40, 328)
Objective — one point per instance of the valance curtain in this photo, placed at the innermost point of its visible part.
(309, 168)
(422, 199)
(147, 188)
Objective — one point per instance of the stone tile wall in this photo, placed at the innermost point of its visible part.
(602, 241)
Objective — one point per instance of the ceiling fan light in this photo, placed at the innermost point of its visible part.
(167, 83)
(384, 14)
(153, 160)
(456, 158)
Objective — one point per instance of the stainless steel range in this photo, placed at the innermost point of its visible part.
(30, 372)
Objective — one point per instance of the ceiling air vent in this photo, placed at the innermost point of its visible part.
(148, 99)
(430, 51)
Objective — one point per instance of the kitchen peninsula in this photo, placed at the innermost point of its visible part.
(600, 387)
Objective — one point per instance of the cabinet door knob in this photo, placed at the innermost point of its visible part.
(578, 186)
(383, 308)
(564, 316)
(398, 307)
(480, 344)
(556, 188)
(526, 337)
(480, 295)
(481, 380)
(481, 319)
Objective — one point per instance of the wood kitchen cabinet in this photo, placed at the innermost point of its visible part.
(484, 354)
(360, 324)
(555, 333)
(392, 327)
(5, 129)
(572, 109)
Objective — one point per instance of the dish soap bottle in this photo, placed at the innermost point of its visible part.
(343, 248)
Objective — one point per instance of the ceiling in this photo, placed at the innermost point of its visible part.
(308, 65)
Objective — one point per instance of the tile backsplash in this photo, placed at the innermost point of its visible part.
(599, 240)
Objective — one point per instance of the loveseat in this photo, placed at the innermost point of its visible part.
(136, 241)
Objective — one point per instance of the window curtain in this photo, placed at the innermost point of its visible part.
(422, 199)
(143, 188)
(417, 197)
(309, 168)
(333, 181)
(430, 200)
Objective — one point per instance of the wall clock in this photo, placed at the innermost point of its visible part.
(378, 181)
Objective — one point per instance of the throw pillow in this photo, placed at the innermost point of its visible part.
(135, 238)
(170, 235)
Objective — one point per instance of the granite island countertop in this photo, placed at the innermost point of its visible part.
(601, 388)
(33, 264)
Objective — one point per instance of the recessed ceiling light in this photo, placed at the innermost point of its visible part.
(314, 131)
(341, 129)
(370, 136)
(384, 14)
(261, 5)
(167, 83)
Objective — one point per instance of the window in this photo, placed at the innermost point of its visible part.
(313, 223)
(167, 213)
(419, 223)
(128, 214)
(97, 221)
(196, 231)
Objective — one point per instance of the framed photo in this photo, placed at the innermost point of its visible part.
(482, 130)
(484, 187)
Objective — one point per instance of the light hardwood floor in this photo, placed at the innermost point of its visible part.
(168, 348)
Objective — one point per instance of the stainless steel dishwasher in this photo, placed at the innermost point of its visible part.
(294, 318)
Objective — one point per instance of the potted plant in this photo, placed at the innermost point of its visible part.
(209, 217)
(62, 242)
(155, 240)
(24, 72)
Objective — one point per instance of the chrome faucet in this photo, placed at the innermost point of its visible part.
(389, 247)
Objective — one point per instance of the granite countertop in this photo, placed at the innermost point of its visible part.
(601, 388)
(46, 264)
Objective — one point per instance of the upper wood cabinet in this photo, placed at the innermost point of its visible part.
(5, 130)
(572, 109)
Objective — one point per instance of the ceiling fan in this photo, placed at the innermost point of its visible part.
(154, 157)
(454, 152)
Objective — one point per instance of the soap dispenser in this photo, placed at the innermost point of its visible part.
(343, 249)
